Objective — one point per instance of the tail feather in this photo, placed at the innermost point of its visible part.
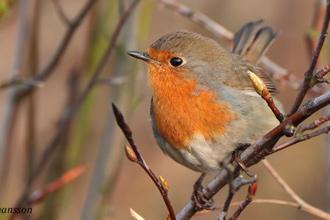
(253, 40)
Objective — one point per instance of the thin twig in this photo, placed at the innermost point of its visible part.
(57, 184)
(321, 73)
(298, 139)
(311, 126)
(309, 73)
(261, 201)
(45, 72)
(301, 129)
(234, 187)
(201, 19)
(61, 13)
(135, 156)
(20, 81)
(248, 199)
(302, 204)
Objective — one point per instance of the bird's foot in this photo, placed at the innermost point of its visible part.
(201, 202)
(236, 157)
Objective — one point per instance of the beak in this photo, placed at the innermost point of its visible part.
(142, 56)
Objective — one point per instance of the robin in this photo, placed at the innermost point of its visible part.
(204, 106)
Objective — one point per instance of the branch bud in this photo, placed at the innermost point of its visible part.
(252, 191)
(130, 154)
(163, 182)
(258, 85)
(135, 215)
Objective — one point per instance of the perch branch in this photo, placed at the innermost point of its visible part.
(257, 150)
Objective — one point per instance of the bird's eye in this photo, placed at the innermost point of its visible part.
(176, 61)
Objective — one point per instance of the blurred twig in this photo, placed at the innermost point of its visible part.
(109, 157)
(68, 115)
(262, 201)
(299, 203)
(30, 66)
(61, 13)
(11, 103)
(199, 18)
(57, 184)
(45, 72)
(302, 204)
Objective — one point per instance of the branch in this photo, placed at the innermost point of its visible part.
(135, 156)
(318, 77)
(234, 187)
(20, 81)
(200, 18)
(316, 53)
(45, 72)
(302, 204)
(248, 199)
(266, 201)
(261, 88)
(299, 137)
(39, 195)
(61, 13)
(257, 151)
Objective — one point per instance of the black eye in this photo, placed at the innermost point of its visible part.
(176, 61)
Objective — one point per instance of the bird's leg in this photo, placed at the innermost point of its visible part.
(201, 202)
(236, 157)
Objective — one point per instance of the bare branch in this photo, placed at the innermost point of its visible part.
(135, 156)
(199, 18)
(265, 201)
(61, 13)
(304, 127)
(248, 199)
(318, 77)
(309, 73)
(234, 187)
(298, 139)
(302, 204)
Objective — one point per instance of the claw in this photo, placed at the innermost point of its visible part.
(201, 202)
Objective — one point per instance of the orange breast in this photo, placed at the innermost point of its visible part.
(181, 110)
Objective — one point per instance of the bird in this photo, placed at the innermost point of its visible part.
(203, 105)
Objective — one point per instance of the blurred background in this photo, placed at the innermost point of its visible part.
(30, 34)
